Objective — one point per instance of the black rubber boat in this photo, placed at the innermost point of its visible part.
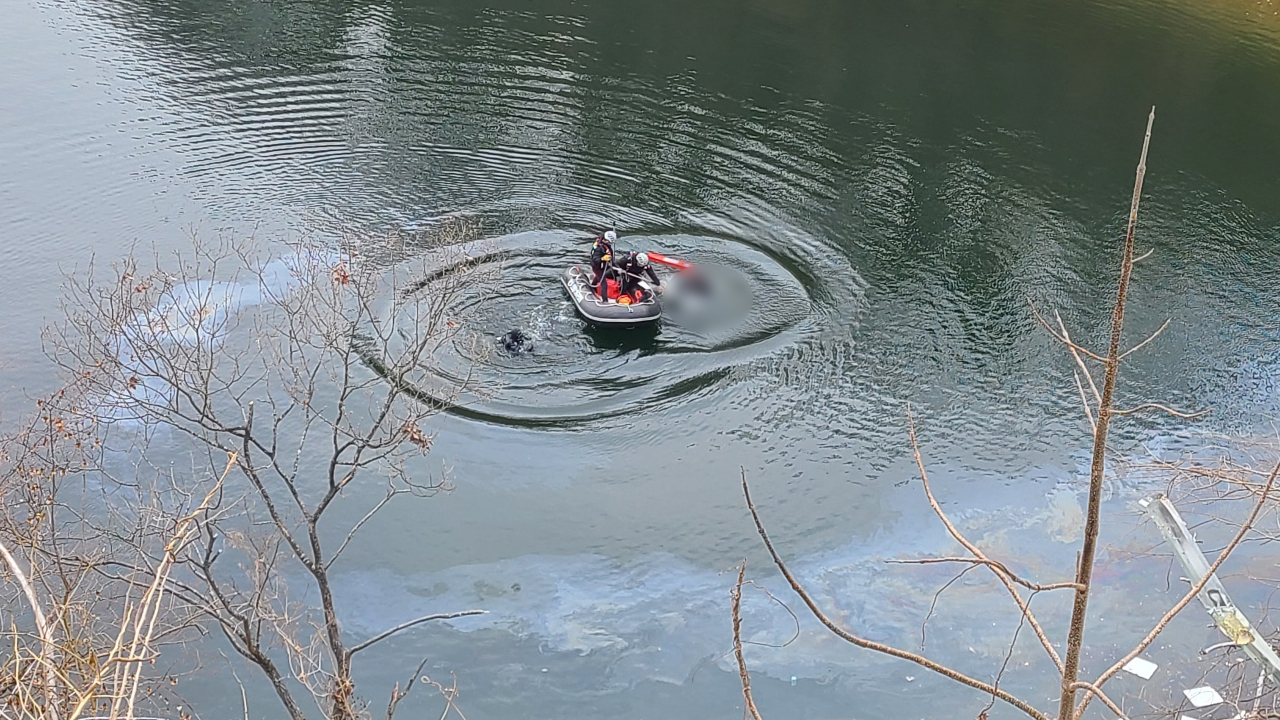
(578, 282)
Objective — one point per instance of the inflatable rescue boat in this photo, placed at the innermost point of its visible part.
(613, 311)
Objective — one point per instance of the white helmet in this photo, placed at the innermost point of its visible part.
(643, 259)
(610, 235)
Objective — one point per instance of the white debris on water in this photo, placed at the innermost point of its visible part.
(1203, 696)
(1140, 667)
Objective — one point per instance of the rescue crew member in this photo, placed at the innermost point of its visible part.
(630, 268)
(601, 257)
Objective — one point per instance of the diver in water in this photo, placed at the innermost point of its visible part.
(516, 342)
(630, 269)
(601, 257)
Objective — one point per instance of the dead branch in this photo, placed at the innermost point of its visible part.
(1088, 549)
(450, 697)
(405, 626)
(397, 694)
(998, 569)
(995, 565)
(737, 644)
(861, 642)
(1150, 337)
(47, 645)
(1063, 338)
(1158, 406)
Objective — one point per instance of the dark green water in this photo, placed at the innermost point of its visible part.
(894, 180)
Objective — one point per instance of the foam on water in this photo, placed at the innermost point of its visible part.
(197, 314)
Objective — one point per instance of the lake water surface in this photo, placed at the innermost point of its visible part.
(894, 181)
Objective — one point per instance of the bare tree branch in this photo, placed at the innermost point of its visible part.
(47, 645)
(1095, 691)
(1084, 568)
(1063, 338)
(871, 644)
(1150, 337)
(737, 645)
(397, 694)
(1084, 402)
(405, 626)
(1004, 665)
(1157, 406)
(996, 565)
(1001, 572)
(1075, 353)
(182, 347)
(933, 604)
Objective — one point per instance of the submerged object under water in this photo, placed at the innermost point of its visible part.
(607, 312)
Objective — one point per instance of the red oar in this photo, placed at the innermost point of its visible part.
(673, 262)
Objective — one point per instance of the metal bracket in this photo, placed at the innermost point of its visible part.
(1213, 595)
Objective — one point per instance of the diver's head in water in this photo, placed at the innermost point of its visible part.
(516, 342)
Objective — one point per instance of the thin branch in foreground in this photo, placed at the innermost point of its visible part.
(1002, 573)
(406, 625)
(737, 644)
(1097, 465)
(1097, 396)
(42, 626)
(397, 694)
(934, 604)
(1158, 406)
(861, 642)
(995, 565)
(450, 697)
(1063, 338)
(1095, 691)
(1013, 642)
(1084, 402)
(794, 618)
(1150, 337)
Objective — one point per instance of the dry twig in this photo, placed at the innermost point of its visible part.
(737, 645)
(849, 637)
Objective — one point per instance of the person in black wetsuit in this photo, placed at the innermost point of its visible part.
(630, 268)
(601, 258)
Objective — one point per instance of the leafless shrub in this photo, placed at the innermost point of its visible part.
(314, 374)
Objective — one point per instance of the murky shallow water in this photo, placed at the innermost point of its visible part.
(893, 184)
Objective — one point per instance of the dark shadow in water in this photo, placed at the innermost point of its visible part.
(640, 339)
